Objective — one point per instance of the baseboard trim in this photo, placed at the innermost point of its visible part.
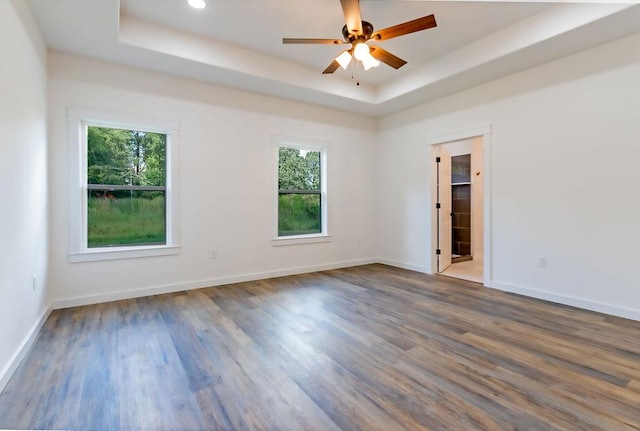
(409, 266)
(178, 287)
(23, 349)
(613, 310)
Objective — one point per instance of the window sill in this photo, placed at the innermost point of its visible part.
(113, 253)
(300, 239)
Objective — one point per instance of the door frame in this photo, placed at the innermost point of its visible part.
(434, 142)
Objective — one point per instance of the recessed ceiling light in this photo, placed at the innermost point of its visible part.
(197, 4)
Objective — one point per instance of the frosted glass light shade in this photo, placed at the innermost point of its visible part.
(360, 51)
(344, 59)
(369, 61)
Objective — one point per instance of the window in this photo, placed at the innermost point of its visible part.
(122, 203)
(301, 201)
(126, 187)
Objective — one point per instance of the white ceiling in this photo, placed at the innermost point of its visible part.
(238, 43)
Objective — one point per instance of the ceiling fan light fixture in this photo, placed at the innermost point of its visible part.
(358, 32)
(361, 51)
(344, 59)
(197, 4)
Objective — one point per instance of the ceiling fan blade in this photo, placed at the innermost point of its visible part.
(331, 68)
(386, 57)
(419, 24)
(351, 10)
(311, 41)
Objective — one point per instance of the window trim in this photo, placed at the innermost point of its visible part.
(78, 120)
(310, 145)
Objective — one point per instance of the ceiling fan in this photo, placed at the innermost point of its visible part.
(357, 32)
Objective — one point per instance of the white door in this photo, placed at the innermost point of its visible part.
(444, 212)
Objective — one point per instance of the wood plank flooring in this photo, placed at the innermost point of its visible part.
(365, 348)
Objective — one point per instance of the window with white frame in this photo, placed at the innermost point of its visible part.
(301, 190)
(122, 200)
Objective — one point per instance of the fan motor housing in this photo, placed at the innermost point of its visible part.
(367, 31)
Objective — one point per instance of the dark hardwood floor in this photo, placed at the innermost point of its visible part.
(366, 348)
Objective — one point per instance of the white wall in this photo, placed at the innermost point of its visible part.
(225, 174)
(564, 177)
(23, 186)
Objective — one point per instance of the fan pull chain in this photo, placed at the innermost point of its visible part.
(354, 73)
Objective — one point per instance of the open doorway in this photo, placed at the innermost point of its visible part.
(459, 203)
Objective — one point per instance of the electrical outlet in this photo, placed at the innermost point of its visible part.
(542, 262)
(214, 253)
